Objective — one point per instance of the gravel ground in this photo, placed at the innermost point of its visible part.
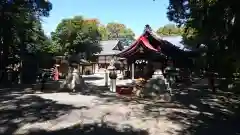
(193, 111)
(110, 109)
(117, 112)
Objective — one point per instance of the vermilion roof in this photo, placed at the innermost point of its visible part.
(141, 41)
(159, 45)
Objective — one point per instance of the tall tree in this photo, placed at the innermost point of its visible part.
(76, 35)
(118, 31)
(17, 23)
(128, 34)
(215, 24)
(103, 32)
(170, 30)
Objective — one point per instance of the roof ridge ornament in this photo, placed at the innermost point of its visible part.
(148, 28)
(153, 33)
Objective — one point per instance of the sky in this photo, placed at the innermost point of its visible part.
(135, 14)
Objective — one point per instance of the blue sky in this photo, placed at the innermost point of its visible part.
(135, 14)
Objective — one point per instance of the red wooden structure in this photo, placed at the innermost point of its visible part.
(152, 47)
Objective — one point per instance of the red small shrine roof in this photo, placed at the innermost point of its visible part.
(141, 41)
(158, 45)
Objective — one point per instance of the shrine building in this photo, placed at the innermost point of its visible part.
(151, 52)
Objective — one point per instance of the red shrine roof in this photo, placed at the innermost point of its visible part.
(149, 41)
(143, 42)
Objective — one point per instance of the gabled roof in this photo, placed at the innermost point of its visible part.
(110, 47)
(152, 42)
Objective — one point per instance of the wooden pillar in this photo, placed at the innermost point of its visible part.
(133, 71)
(83, 69)
(92, 68)
(105, 62)
(80, 69)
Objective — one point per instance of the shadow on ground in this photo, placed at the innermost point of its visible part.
(92, 129)
(195, 108)
(91, 78)
(104, 92)
(17, 109)
(202, 112)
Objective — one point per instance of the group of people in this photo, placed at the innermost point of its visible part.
(71, 80)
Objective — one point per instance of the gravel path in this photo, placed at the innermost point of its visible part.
(193, 112)
(110, 109)
(118, 112)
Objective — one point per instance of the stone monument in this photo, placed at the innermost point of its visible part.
(74, 80)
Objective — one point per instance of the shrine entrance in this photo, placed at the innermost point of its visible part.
(140, 68)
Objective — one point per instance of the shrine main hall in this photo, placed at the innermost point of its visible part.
(149, 53)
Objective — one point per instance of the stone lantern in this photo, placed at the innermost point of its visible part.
(113, 77)
(171, 73)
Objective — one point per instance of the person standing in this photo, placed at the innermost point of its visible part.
(56, 73)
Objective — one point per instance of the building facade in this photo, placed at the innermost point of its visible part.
(110, 49)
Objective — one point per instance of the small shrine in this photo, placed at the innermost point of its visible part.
(148, 58)
(150, 52)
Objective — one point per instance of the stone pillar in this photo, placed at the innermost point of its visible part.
(133, 71)
(113, 77)
(106, 77)
(113, 85)
(110, 85)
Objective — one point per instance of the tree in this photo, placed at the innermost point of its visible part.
(128, 34)
(170, 30)
(38, 41)
(77, 34)
(212, 23)
(17, 21)
(118, 31)
(103, 32)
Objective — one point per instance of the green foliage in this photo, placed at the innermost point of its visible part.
(170, 30)
(119, 31)
(20, 27)
(38, 41)
(213, 23)
(116, 31)
(76, 35)
(21, 33)
(103, 31)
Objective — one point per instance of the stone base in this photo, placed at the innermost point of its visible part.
(55, 85)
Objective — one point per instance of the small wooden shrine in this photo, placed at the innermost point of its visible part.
(84, 66)
(150, 52)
